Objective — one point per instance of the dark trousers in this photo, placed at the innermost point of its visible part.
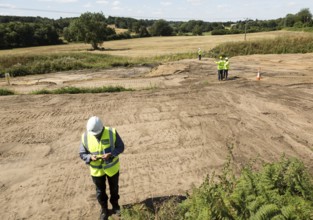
(199, 56)
(225, 74)
(220, 74)
(102, 197)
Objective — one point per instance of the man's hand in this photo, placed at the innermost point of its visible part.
(93, 157)
(106, 156)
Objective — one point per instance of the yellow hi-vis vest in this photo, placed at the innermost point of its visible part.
(226, 65)
(220, 64)
(102, 167)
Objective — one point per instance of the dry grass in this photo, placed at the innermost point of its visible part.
(150, 47)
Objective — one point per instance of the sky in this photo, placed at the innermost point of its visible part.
(170, 10)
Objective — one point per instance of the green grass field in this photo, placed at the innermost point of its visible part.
(154, 50)
(150, 47)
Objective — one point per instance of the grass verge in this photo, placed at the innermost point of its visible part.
(280, 45)
(4, 92)
(75, 90)
(22, 65)
(304, 29)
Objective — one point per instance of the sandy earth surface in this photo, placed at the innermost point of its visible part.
(178, 127)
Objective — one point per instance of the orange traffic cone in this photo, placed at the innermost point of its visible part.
(258, 77)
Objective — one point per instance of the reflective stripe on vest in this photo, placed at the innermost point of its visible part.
(107, 166)
(101, 167)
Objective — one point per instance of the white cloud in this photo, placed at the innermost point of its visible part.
(291, 4)
(58, 1)
(116, 8)
(158, 13)
(88, 5)
(66, 1)
(5, 13)
(195, 2)
(166, 3)
(223, 6)
(102, 2)
(7, 6)
(116, 3)
(140, 12)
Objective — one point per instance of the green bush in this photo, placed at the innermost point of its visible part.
(220, 32)
(4, 92)
(42, 91)
(40, 64)
(75, 90)
(19, 70)
(281, 190)
(280, 45)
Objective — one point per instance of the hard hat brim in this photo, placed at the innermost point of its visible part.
(94, 133)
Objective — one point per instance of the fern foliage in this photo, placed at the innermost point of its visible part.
(281, 190)
(278, 191)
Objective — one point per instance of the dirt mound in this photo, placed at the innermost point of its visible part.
(183, 127)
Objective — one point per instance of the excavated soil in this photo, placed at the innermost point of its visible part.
(179, 125)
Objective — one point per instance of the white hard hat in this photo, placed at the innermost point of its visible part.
(94, 125)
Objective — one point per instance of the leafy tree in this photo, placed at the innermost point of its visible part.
(304, 16)
(135, 27)
(197, 30)
(161, 28)
(183, 27)
(143, 32)
(23, 34)
(90, 28)
(290, 20)
(3, 43)
(62, 23)
(120, 23)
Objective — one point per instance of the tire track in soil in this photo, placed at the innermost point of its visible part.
(174, 137)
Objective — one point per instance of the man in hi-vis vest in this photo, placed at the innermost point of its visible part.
(220, 68)
(99, 148)
(199, 53)
(226, 68)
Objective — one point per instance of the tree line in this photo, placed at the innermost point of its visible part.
(94, 28)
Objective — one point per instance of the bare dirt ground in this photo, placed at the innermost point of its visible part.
(178, 127)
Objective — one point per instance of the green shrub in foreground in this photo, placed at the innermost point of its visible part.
(75, 90)
(282, 190)
(4, 92)
(22, 65)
